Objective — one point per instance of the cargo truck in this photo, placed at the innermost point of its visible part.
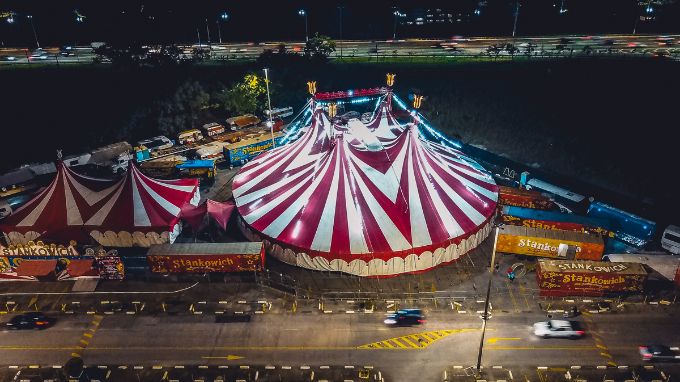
(510, 196)
(549, 243)
(589, 278)
(237, 154)
(531, 218)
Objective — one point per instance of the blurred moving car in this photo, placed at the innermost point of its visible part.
(659, 353)
(33, 320)
(559, 329)
(9, 58)
(405, 317)
(67, 51)
(39, 54)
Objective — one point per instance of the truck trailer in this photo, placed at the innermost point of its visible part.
(554, 220)
(549, 243)
(237, 154)
(510, 196)
(589, 278)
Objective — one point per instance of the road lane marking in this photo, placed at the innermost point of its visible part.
(412, 341)
(540, 347)
(228, 357)
(493, 340)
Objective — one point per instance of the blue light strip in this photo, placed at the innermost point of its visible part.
(431, 130)
(352, 101)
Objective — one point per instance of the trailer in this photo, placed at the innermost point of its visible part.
(237, 154)
(531, 218)
(665, 265)
(549, 243)
(510, 196)
(563, 278)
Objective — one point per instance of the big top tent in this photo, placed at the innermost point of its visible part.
(372, 199)
(134, 211)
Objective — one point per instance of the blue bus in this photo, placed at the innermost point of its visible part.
(631, 229)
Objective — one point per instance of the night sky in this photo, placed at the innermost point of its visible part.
(252, 21)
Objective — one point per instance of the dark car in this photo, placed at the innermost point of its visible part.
(405, 317)
(33, 320)
(67, 51)
(659, 353)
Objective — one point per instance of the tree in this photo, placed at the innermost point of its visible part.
(319, 47)
(529, 49)
(182, 110)
(512, 50)
(246, 96)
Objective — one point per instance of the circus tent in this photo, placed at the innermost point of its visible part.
(370, 199)
(134, 211)
(57, 214)
(142, 211)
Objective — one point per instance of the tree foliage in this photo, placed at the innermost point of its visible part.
(183, 109)
(245, 96)
(319, 47)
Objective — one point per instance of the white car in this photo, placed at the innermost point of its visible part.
(559, 329)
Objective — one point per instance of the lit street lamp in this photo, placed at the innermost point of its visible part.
(30, 19)
(396, 14)
(224, 17)
(514, 25)
(302, 12)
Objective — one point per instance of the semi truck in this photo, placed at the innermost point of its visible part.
(532, 218)
(237, 154)
(510, 196)
(589, 278)
(549, 243)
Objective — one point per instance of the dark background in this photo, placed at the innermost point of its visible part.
(253, 21)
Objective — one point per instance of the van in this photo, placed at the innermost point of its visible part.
(670, 240)
(188, 137)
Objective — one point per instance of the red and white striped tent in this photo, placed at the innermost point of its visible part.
(134, 211)
(57, 214)
(347, 199)
(142, 211)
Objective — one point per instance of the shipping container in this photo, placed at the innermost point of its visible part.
(510, 196)
(206, 257)
(630, 228)
(531, 218)
(237, 154)
(589, 278)
(549, 243)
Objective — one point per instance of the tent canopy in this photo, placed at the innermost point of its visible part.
(371, 199)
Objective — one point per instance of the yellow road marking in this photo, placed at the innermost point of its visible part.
(88, 335)
(229, 357)
(606, 354)
(512, 295)
(493, 340)
(415, 340)
(540, 348)
(75, 355)
(610, 363)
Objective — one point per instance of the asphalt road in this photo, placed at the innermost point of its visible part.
(415, 353)
(602, 44)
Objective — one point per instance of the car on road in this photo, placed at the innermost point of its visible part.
(39, 54)
(659, 353)
(67, 51)
(405, 317)
(33, 320)
(559, 329)
(9, 58)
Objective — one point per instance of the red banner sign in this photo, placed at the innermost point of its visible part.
(205, 263)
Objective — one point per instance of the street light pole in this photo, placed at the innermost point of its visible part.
(224, 16)
(30, 19)
(207, 29)
(485, 316)
(339, 42)
(302, 12)
(514, 26)
(269, 103)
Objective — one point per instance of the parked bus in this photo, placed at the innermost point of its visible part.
(630, 228)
